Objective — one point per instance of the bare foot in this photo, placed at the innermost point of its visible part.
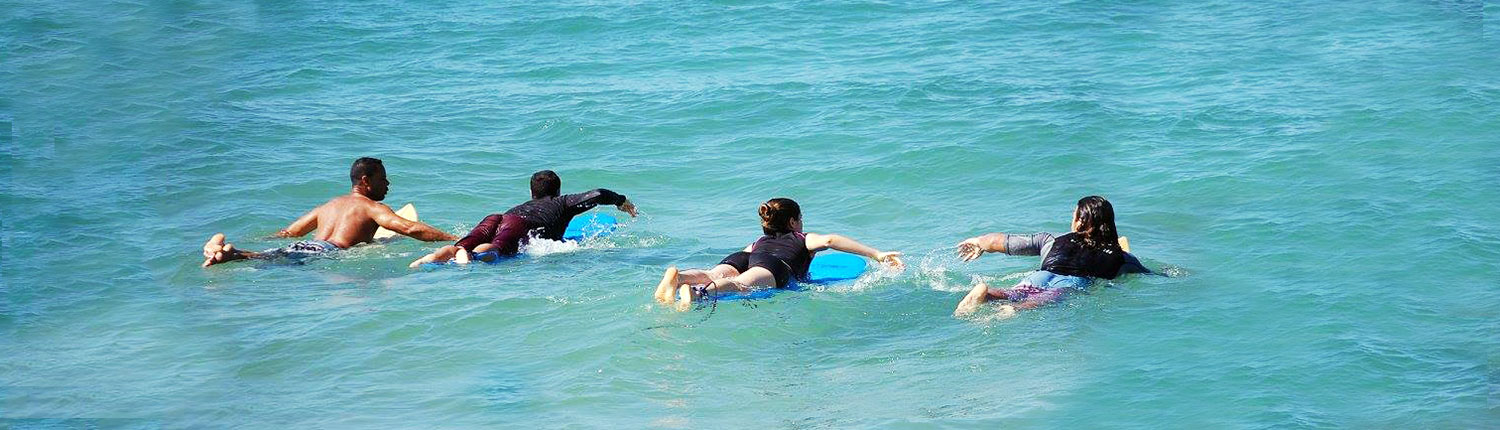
(440, 255)
(1006, 311)
(461, 257)
(685, 297)
(971, 302)
(215, 251)
(667, 287)
(424, 260)
(214, 244)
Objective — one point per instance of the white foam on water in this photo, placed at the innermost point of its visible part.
(540, 247)
(870, 279)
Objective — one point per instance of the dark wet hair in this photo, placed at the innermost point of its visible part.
(364, 167)
(545, 184)
(1096, 223)
(776, 215)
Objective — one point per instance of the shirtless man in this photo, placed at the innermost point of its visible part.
(343, 222)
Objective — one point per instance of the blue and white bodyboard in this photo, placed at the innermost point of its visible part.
(590, 226)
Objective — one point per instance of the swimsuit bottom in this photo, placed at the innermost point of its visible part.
(743, 261)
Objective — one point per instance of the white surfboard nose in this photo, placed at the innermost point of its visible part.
(408, 212)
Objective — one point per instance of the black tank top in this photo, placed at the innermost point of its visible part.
(790, 248)
(1070, 257)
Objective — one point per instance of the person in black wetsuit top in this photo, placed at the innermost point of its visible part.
(1070, 262)
(546, 216)
(777, 259)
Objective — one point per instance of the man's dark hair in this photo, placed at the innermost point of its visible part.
(363, 167)
(545, 184)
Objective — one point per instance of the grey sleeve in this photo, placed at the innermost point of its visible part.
(1032, 244)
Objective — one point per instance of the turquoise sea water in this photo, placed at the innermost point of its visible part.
(1318, 176)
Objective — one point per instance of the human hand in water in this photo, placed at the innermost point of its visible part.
(970, 249)
(627, 207)
(892, 259)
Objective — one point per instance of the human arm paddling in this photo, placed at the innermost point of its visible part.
(302, 226)
(818, 242)
(385, 217)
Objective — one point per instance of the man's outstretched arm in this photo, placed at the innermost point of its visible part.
(582, 202)
(301, 226)
(385, 217)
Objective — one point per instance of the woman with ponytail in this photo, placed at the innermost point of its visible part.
(777, 259)
(1070, 262)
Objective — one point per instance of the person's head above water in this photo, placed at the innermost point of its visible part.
(368, 177)
(545, 184)
(1094, 220)
(780, 215)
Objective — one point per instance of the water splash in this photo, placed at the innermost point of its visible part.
(538, 247)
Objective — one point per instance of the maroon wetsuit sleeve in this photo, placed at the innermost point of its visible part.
(582, 202)
(481, 234)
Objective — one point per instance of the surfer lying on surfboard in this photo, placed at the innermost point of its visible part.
(342, 222)
(778, 258)
(546, 216)
(1070, 261)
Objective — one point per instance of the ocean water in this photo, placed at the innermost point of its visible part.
(1317, 177)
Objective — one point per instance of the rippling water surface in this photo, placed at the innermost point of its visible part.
(1318, 176)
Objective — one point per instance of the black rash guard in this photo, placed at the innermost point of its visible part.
(1042, 243)
(1069, 256)
(548, 217)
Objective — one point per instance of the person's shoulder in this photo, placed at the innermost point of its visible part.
(818, 238)
(335, 202)
(355, 201)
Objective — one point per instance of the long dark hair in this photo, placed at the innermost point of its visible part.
(1096, 223)
(776, 215)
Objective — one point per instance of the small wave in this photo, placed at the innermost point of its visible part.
(934, 269)
(865, 282)
(1171, 271)
(537, 247)
(627, 241)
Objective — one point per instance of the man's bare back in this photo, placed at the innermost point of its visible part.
(342, 222)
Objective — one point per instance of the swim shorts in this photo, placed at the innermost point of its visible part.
(506, 232)
(302, 249)
(1046, 287)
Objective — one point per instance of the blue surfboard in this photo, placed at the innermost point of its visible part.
(582, 227)
(826, 268)
(589, 226)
